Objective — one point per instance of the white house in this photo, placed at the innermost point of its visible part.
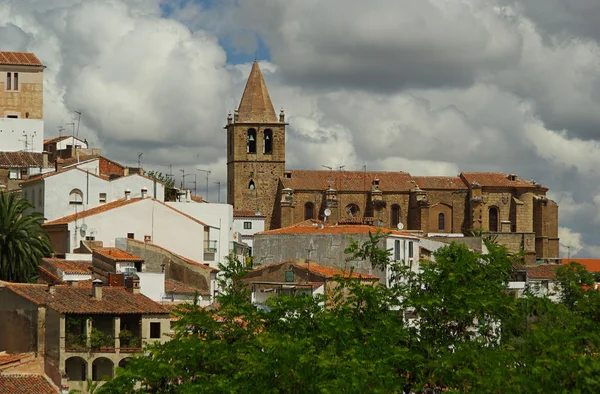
(73, 191)
(26, 135)
(245, 225)
(140, 218)
(219, 219)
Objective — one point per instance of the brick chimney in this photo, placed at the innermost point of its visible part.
(132, 284)
(127, 194)
(97, 289)
(58, 164)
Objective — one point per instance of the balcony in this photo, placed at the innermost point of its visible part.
(210, 249)
(102, 334)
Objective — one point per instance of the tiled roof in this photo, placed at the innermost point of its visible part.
(21, 159)
(75, 299)
(13, 358)
(321, 270)
(26, 384)
(255, 105)
(311, 226)
(69, 266)
(439, 182)
(93, 211)
(238, 213)
(56, 139)
(70, 161)
(542, 271)
(494, 179)
(592, 265)
(19, 59)
(197, 199)
(45, 276)
(173, 286)
(344, 181)
(117, 254)
(177, 255)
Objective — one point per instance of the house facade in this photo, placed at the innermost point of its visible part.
(245, 225)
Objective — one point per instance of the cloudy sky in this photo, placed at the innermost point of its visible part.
(431, 87)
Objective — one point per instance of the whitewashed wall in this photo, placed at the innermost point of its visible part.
(14, 131)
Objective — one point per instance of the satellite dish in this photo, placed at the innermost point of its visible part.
(400, 226)
(83, 227)
(327, 212)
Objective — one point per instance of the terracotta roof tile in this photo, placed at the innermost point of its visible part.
(117, 254)
(494, 179)
(173, 286)
(93, 211)
(344, 181)
(592, 265)
(76, 299)
(238, 213)
(177, 255)
(26, 384)
(45, 276)
(324, 271)
(19, 59)
(311, 226)
(69, 266)
(440, 182)
(13, 358)
(21, 159)
(542, 271)
(255, 105)
(52, 173)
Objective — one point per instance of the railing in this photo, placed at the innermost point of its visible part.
(210, 246)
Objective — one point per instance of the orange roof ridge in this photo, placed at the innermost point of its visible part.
(255, 105)
(94, 211)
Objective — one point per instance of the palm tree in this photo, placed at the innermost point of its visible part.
(23, 242)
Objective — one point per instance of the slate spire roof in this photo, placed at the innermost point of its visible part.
(255, 105)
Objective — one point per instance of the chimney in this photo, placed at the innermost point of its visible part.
(147, 238)
(144, 192)
(127, 194)
(44, 159)
(58, 164)
(133, 284)
(97, 289)
(51, 288)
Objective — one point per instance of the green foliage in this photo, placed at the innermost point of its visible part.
(169, 181)
(470, 336)
(23, 242)
(99, 339)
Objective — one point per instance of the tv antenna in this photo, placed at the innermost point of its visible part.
(140, 160)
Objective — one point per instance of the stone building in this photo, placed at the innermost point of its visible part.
(517, 212)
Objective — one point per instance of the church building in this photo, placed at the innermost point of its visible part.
(514, 211)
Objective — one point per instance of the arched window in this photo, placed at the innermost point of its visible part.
(352, 211)
(395, 219)
(251, 185)
(251, 141)
(76, 197)
(441, 222)
(268, 142)
(309, 210)
(493, 219)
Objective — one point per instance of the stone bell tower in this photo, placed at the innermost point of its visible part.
(255, 150)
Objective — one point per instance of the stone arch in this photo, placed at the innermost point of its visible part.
(309, 211)
(124, 362)
(440, 218)
(493, 218)
(102, 367)
(251, 141)
(268, 142)
(76, 369)
(352, 210)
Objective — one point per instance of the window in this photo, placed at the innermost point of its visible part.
(410, 250)
(90, 238)
(395, 219)
(397, 250)
(154, 330)
(352, 210)
(13, 174)
(251, 141)
(441, 222)
(75, 197)
(268, 142)
(16, 85)
(309, 209)
(247, 225)
(130, 235)
(102, 197)
(12, 116)
(251, 185)
(493, 219)
(8, 81)
(289, 276)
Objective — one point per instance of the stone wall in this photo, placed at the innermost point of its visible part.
(18, 323)
(29, 97)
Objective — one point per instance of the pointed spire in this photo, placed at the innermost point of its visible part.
(255, 105)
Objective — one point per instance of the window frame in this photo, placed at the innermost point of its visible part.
(74, 201)
(15, 81)
(251, 146)
(269, 144)
(441, 222)
(8, 83)
(309, 207)
(395, 218)
(102, 198)
(154, 326)
(247, 225)
(496, 219)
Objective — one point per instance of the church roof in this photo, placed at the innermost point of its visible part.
(255, 105)
(495, 179)
(348, 180)
(440, 182)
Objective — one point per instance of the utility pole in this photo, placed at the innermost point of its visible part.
(207, 172)
(140, 161)
(218, 183)
(182, 176)
(78, 121)
(194, 182)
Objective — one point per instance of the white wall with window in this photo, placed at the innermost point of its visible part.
(245, 226)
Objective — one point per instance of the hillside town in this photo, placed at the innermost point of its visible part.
(128, 247)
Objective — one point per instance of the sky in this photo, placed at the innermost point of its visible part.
(430, 87)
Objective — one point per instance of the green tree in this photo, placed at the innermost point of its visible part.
(23, 242)
(169, 181)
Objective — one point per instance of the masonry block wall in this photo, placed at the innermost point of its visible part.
(27, 101)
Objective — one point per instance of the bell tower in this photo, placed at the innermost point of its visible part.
(255, 150)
